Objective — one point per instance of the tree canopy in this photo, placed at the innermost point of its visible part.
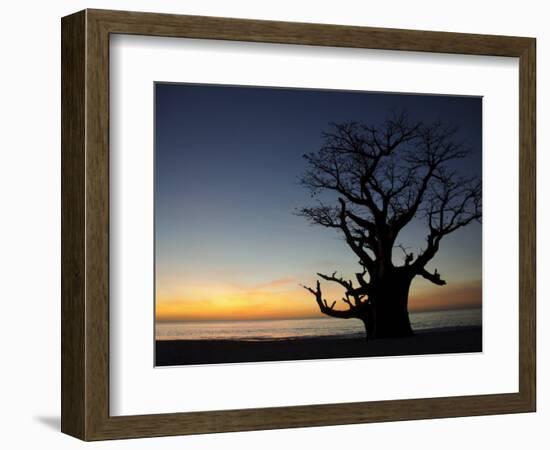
(382, 177)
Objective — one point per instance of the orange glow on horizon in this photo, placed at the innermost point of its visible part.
(285, 299)
(454, 296)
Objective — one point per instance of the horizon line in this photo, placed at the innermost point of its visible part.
(467, 307)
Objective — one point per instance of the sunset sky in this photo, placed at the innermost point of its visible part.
(227, 163)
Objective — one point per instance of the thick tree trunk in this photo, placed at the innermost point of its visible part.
(388, 314)
(391, 321)
(369, 326)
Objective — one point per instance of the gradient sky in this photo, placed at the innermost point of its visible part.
(227, 163)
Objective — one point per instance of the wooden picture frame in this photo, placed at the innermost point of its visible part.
(85, 224)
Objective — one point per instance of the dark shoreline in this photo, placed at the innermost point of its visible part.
(190, 352)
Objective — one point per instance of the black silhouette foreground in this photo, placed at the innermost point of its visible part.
(216, 351)
(381, 178)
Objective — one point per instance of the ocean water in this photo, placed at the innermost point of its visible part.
(257, 330)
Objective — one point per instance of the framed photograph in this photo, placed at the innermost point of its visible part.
(270, 224)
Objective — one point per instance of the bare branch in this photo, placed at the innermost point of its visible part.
(435, 278)
(346, 284)
(384, 176)
(325, 308)
(408, 256)
(455, 202)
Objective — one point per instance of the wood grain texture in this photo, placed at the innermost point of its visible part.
(73, 227)
(527, 224)
(85, 224)
(97, 226)
(151, 24)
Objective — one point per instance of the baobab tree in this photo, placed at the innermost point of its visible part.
(378, 179)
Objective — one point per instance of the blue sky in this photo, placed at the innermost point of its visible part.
(227, 163)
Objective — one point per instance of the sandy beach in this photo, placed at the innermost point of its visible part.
(187, 352)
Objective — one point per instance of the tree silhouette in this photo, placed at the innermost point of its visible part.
(382, 177)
